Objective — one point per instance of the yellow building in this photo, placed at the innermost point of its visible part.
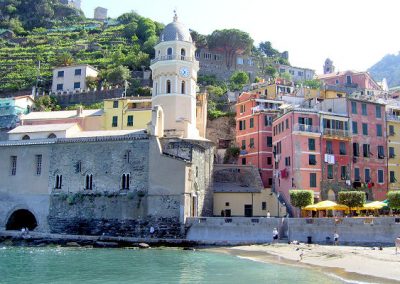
(247, 202)
(127, 113)
(393, 140)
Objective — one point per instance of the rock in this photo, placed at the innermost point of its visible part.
(143, 246)
(72, 244)
(106, 244)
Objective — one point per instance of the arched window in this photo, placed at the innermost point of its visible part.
(168, 87)
(89, 182)
(58, 181)
(26, 137)
(183, 54)
(183, 87)
(169, 53)
(52, 136)
(125, 181)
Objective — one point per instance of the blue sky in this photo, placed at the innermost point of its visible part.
(355, 34)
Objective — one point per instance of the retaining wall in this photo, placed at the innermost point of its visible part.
(239, 230)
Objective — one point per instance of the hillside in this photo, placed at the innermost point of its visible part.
(388, 67)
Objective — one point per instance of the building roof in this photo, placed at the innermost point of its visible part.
(227, 187)
(175, 31)
(60, 114)
(42, 128)
(76, 65)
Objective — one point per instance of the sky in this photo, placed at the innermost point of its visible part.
(354, 34)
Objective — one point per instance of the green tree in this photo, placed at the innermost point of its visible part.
(118, 75)
(199, 39)
(129, 17)
(64, 59)
(313, 84)
(46, 103)
(231, 42)
(146, 28)
(394, 199)
(238, 80)
(266, 48)
(352, 198)
(301, 198)
(271, 71)
(130, 30)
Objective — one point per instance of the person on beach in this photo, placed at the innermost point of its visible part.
(274, 235)
(336, 238)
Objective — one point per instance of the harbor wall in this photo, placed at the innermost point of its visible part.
(237, 230)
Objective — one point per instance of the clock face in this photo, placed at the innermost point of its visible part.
(184, 72)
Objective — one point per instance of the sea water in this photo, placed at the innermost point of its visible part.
(82, 265)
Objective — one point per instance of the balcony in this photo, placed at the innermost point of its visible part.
(173, 57)
(306, 128)
(392, 117)
(336, 133)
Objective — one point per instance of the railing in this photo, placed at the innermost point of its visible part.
(392, 117)
(306, 128)
(336, 132)
(172, 57)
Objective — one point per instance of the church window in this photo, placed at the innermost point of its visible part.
(168, 86)
(89, 182)
(52, 136)
(183, 87)
(38, 165)
(58, 181)
(26, 137)
(13, 164)
(125, 181)
(169, 53)
(183, 53)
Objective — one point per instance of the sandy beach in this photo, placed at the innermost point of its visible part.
(365, 264)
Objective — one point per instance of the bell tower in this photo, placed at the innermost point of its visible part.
(174, 74)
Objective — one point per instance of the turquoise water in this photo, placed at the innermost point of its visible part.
(78, 265)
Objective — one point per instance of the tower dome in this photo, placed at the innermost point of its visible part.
(175, 31)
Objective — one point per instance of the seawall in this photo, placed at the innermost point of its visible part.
(239, 230)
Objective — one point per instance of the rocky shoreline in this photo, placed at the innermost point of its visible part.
(16, 238)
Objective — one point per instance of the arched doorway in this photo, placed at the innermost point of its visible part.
(331, 195)
(21, 218)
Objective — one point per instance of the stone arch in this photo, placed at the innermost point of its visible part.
(331, 195)
(21, 218)
(183, 54)
(169, 52)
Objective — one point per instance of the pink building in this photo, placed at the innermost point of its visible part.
(297, 152)
(254, 116)
(351, 79)
(369, 162)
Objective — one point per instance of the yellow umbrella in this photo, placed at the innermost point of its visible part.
(341, 207)
(326, 205)
(310, 207)
(375, 205)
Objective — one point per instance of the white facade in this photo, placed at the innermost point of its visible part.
(297, 73)
(72, 78)
(174, 74)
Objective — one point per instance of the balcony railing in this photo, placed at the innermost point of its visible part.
(336, 132)
(172, 57)
(392, 117)
(306, 128)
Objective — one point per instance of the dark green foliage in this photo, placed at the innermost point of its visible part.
(394, 199)
(199, 39)
(31, 14)
(267, 49)
(46, 103)
(238, 80)
(117, 75)
(301, 198)
(388, 67)
(352, 198)
(231, 155)
(231, 42)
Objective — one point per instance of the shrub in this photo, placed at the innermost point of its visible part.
(352, 198)
(231, 154)
(301, 198)
(394, 199)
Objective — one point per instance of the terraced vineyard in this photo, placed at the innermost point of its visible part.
(94, 43)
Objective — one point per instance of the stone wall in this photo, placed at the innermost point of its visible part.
(239, 230)
(87, 98)
(112, 214)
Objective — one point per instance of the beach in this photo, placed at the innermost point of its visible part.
(365, 264)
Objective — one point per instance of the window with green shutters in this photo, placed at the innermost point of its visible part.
(251, 122)
(378, 112)
(379, 130)
(330, 171)
(130, 120)
(365, 128)
(311, 144)
(353, 107)
(355, 127)
(114, 121)
(313, 180)
(380, 176)
(364, 109)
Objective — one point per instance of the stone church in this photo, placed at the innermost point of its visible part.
(119, 182)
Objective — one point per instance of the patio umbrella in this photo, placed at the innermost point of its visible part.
(375, 205)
